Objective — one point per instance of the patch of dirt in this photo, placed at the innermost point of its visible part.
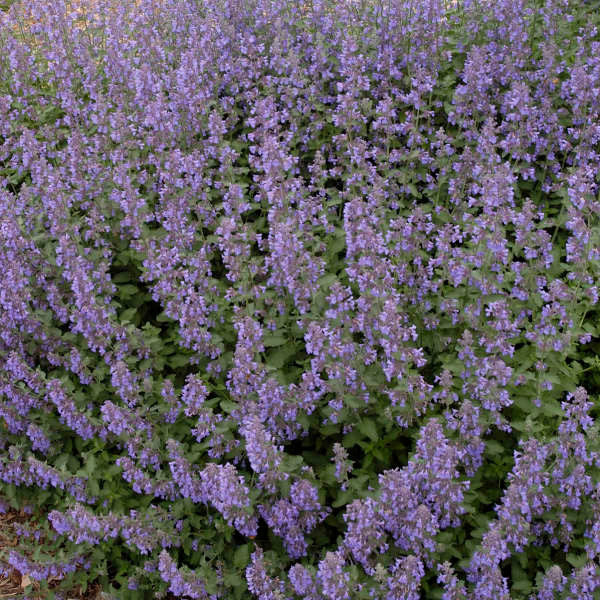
(13, 585)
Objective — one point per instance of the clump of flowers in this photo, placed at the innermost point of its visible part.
(299, 301)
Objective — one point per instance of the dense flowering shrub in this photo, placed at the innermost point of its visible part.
(299, 300)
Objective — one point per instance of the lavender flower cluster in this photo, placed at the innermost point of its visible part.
(299, 300)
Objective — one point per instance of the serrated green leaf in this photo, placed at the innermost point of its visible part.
(327, 280)
(494, 447)
(179, 360)
(241, 556)
(342, 498)
(282, 355)
(577, 561)
(272, 341)
(122, 277)
(368, 427)
(127, 315)
(127, 291)
(228, 406)
(291, 463)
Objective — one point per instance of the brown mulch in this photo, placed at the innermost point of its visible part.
(10, 586)
(14, 585)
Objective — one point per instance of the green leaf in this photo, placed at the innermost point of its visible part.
(338, 244)
(343, 497)
(241, 556)
(368, 428)
(228, 406)
(90, 464)
(122, 277)
(352, 438)
(281, 356)
(520, 579)
(291, 463)
(494, 447)
(127, 315)
(127, 291)
(179, 360)
(233, 580)
(522, 585)
(551, 408)
(327, 280)
(577, 561)
(272, 341)
(93, 487)
(61, 462)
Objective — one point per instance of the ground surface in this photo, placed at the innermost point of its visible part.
(12, 586)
